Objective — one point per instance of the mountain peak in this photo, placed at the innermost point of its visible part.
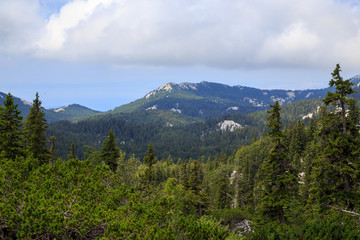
(187, 85)
(167, 87)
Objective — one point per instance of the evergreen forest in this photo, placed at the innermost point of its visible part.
(281, 177)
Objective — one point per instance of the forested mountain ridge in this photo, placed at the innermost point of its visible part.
(206, 100)
(72, 112)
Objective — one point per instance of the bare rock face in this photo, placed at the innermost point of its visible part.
(229, 125)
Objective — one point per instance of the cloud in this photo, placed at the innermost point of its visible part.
(19, 26)
(213, 33)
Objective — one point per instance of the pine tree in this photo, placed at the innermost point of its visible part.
(34, 127)
(150, 160)
(276, 181)
(110, 151)
(72, 155)
(343, 88)
(10, 125)
(335, 170)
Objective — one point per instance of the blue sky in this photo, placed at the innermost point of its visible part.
(105, 53)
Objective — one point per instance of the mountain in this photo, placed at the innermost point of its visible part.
(72, 112)
(206, 100)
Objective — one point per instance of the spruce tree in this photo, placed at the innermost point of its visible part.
(335, 171)
(343, 88)
(10, 129)
(34, 128)
(110, 151)
(72, 155)
(276, 181)
(150, 160)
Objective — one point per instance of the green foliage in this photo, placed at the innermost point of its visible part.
(127, 170)
(10, 125)
(334, 225)
(228, 217)
(63, 200)
(249, 159)
(75, 199)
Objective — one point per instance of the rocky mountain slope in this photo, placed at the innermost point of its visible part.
(206, 100)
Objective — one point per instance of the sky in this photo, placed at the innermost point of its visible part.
(105, 53)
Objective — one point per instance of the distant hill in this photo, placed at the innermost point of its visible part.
(72, 112)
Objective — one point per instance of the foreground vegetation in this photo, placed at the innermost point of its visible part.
(298, 182)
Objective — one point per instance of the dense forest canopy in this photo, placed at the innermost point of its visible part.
(290, 178)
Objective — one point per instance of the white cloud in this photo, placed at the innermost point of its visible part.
(19, 26)
(295, 44)
(215, 33)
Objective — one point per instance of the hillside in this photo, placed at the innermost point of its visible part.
(220, 134)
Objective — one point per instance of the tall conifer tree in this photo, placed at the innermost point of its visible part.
(335, 171)
(34, 127)
(110, 151)
(343, 88)
(10, 133)
(276, 179)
